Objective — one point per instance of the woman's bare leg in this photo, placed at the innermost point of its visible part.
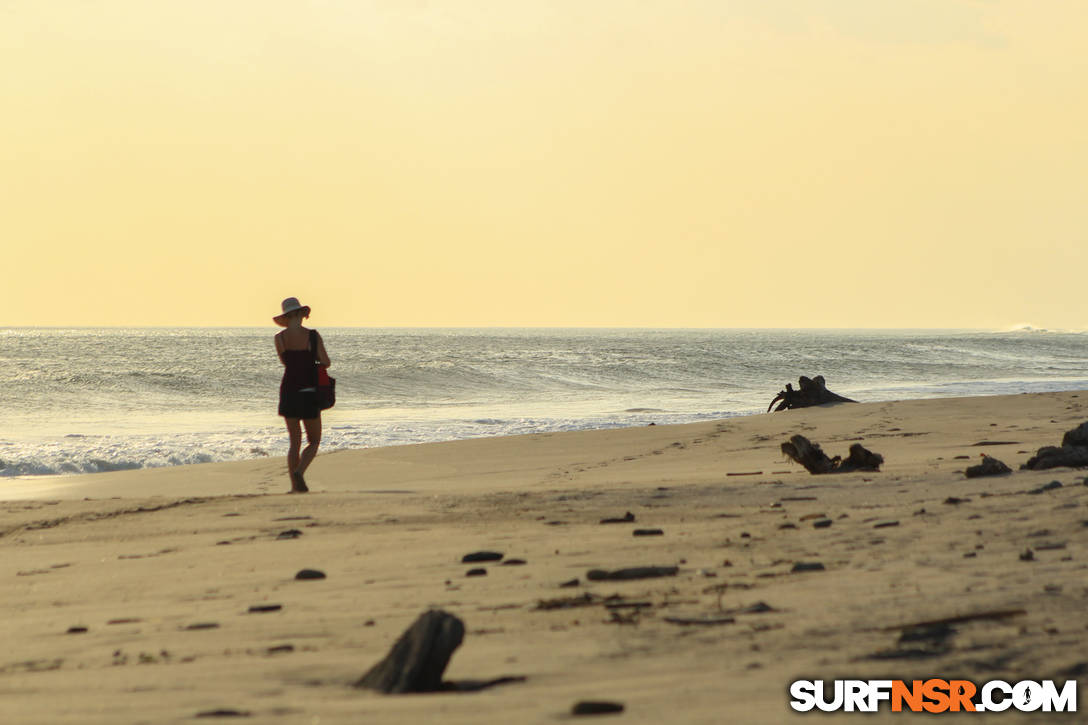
(294, 433)
(313, 440)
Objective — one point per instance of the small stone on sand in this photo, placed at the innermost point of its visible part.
(223, 712)
(259, 608)
(478, 556)
(596, 707)
(626, 519)
(802, 566)
(990, 466)
(637, 572)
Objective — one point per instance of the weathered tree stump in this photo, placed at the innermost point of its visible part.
(1072, 454)
(813, 392)
(418, 659)
(815, 461)
(808, 454)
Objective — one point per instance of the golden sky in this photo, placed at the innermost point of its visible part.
(651, 163)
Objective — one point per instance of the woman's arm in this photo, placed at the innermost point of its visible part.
(322, 356)
(279, 347)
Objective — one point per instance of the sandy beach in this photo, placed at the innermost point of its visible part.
(130, 596)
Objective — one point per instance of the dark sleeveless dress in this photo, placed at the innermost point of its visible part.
(298, 396)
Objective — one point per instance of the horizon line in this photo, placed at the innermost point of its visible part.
(1011, 328)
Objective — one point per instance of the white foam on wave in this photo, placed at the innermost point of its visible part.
(1032, 329)
(66, 455)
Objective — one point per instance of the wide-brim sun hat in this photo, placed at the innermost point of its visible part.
(291, 304)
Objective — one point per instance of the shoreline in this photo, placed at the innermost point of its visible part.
(143, 563)
(21, 486)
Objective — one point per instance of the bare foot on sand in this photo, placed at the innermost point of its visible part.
(298, 483)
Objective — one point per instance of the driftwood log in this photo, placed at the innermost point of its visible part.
(815, 461)
(1073, 452)
(813, 392)
(418, 659)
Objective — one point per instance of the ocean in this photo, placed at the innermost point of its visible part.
(86, 400)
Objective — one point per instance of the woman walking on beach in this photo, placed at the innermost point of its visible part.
(300, 350)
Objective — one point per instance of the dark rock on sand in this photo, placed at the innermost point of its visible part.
(77, 630)
(260, 608)
(203, 625)
(1028, 555)
(637, 572)
(955, 500)
(821, 524)
(480, 571)
(515, 562)
(648, 532)
(310, 574)
(803, 566)
(990, 466)
(1046, 487)
(757, 608)
(1076, 438)
(596, 707)
(574, 582)
(1073, 452)
(480, 556)
(1052, 457)
(223, 712)
(419, 657)
(626, 519)
(289, 534)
